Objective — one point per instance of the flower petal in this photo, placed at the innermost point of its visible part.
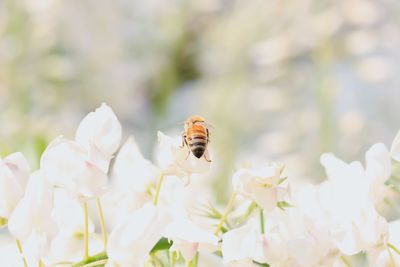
(131, 171)
(132, 240)
(33, 212)
(240, 243)
(65, 164)
(100, 129)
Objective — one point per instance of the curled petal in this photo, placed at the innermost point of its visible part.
(100, 129)
(19, 166)
(14, 173)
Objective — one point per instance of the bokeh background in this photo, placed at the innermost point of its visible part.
(279, 80)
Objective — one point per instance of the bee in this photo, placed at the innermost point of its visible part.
(196, 136)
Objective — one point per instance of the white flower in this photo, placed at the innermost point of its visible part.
(31, 220)
(81, 167)
(239, 245)
(132, 240)
(14, 173)
(176, 159)
(349, 198)
(100, 134)
(131, 171)
(207, 259)
(68, 244)
(188, 238)
(395, 149)
(132, 178)
(65, 163)
(68, 213)
(294, 239)
(380, 256)
(272, 248)
(261, 184)
(378, 170)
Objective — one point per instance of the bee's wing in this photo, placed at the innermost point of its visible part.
(210, 126)
(207, 125)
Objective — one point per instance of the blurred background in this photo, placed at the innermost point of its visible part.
(279, 80)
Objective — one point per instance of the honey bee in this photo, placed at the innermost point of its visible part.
(196, 136)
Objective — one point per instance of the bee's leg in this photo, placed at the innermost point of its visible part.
(186, 181)
(205, 155)
(188, 153)
(183, 140)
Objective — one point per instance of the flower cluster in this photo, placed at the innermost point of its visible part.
(145, 220)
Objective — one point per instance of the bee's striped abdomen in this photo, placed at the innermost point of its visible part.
(197, 140)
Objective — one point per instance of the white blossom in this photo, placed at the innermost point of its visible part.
(395, 149)
(100, 134)
(188, 238)
(31, 220)
(239, 245)
(132, 240)
(384, 256)
(131, 171)
(14, 173)
(67, 244)
(349, 198)
(66, 164)
(261, 183)
(132, 178)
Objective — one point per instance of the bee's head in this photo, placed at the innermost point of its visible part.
(196, 120)
(193, 120)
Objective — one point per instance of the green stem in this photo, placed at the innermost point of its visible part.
(21, 252)
(158, 188)
(174, 258)
(262, 220)
(156, 262)
(392, 262)
(41, 263)
(94, 258)
(69, 263)
(102, 222)
(226, 212)
(193, 262)
(96, 263)
(196, 259)
(394, 248)
(345, 261)
(86, 231)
